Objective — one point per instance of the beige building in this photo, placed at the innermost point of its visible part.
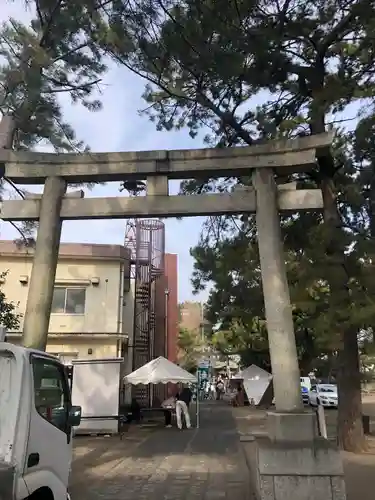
(93, 306)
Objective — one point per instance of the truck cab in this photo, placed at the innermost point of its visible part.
(36, 422)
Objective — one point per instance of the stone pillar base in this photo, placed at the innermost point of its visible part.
(292, 427)
(294, 471)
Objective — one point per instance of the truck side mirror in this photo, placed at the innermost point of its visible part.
(75, 415)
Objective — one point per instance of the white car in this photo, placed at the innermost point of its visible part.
(324, 394)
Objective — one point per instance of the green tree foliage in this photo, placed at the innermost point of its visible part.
(249, 342)
(9, 317)
(189, 349)
(56, 54)
(367, 358)
(250, 70)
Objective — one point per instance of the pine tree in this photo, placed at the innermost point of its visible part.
(207, 62)
(189, 349)
(55, 55)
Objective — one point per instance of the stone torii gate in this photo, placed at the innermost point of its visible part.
(289, 424)
(265, 198)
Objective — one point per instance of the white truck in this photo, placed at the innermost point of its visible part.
(36, 422)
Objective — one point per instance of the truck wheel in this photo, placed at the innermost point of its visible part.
(41, 494)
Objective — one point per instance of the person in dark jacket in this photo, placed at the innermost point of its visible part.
(135, 412)
(185, 395)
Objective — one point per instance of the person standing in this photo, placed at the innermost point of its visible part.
(183, 400)
(240, 395)
(212, 390)
(169, 405)
(134, 414)
(186, 396)
(207, 390)
(219, 389)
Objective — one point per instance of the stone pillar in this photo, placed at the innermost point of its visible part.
(39, 300)
(282, 343)
(283, 470)
(289, 462)
(7, 127)
(157, 186)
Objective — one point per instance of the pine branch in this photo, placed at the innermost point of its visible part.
(69, 86)
(49, 24)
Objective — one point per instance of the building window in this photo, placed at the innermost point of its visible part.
(68, 300)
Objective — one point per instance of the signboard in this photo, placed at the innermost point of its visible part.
(202, 377)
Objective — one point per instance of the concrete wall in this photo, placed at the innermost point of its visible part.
(101, 329)
(128, 310)
(101, 314)
(70, 348)
(128, 323)
(171, 283)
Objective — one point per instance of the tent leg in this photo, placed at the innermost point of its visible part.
(197, 411)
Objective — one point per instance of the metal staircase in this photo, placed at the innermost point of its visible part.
(146, 240)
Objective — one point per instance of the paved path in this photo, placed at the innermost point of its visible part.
(197, 464)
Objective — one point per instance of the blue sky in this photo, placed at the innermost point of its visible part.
(118, 127)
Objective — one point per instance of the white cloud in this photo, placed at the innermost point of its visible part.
(118, 127)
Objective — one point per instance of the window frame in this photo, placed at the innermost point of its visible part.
(66, 288)
(34, 359)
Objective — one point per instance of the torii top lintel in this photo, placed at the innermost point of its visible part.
(284, 156)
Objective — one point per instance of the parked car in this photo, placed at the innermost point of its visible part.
(324, 394)
(305, 388)
(305, 395)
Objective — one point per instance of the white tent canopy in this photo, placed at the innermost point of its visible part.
(160, 371)
(252, 372)
(255, 382)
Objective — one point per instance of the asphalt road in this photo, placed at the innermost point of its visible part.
(368, 409)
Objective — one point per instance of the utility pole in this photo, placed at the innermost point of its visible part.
(166, 332)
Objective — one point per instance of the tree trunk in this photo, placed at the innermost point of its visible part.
(350, 435)
(371, 205)
(350, 429)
